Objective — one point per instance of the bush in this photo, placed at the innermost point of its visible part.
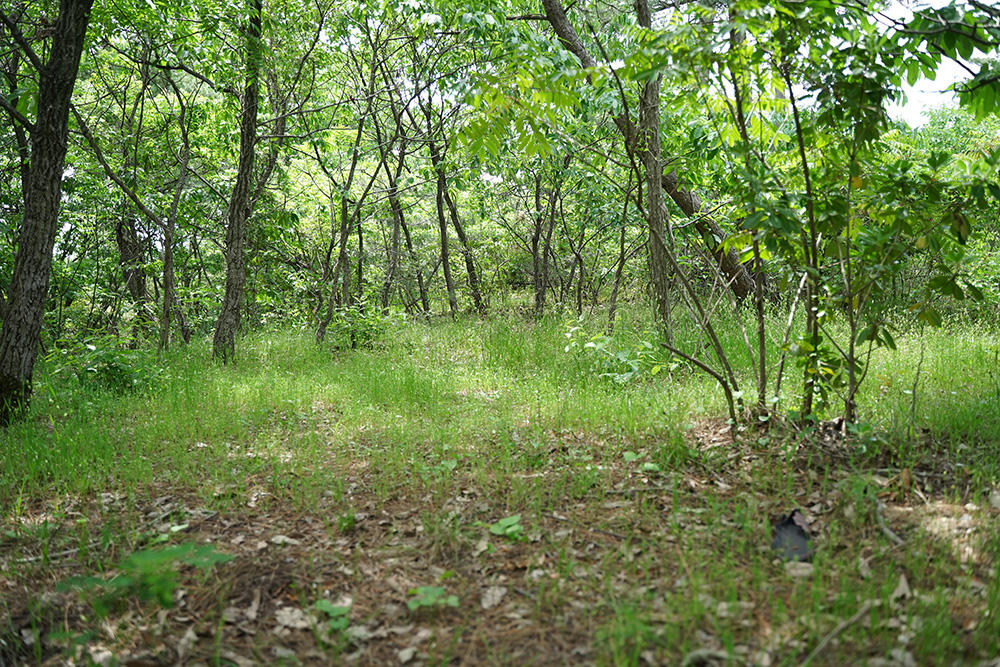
(101, 363)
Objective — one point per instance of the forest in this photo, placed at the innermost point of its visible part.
(499, 332)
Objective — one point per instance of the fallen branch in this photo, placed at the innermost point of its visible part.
(896, 539)
(843, 625)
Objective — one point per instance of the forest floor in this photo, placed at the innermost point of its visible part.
(374, 510)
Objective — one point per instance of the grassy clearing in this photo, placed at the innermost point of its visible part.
(472, 493)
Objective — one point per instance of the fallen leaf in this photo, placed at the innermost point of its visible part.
(798, 569)
(493, 596)
(902, 590)
(358, 633)
(292, 617)
(185, 643)
(254, 607)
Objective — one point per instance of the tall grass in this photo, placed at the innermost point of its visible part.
(426, 387)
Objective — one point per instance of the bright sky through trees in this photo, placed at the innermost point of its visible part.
(926, 94)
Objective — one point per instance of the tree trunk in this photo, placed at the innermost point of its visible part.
(240, 204)
(466, 250)
(361, 264)
(20, 335)
(425, 301)
(442, 186)
(170, 300)
(656, 211)
(541, 236)
(616, 283)
(239, 209)
(576, 247)
(341, 272)
(536, 257)
(396, 207)
(738, 278)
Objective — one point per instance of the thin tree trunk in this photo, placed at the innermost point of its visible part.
(425, 301)
(341, 272)
(130, 249)
(620, 266)
(170, 300)
(656, 211)
(577, 249)
(442, 186)
(20, 335)
(536, 258)
(616, 283)
(240, 202)
(361, 263)
(397, 217)
(394, 247)
(466, 250)
(541, 236)
(547, 244)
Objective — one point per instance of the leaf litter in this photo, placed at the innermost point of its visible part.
(638, 565)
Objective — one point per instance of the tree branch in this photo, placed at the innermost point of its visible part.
(21, 40)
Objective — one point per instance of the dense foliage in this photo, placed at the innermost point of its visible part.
(428, 158)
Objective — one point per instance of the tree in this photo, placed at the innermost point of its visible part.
(238, 212)
(20, 335)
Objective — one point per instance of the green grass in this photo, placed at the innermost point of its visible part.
(645, 527)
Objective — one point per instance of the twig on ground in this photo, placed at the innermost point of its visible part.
(843, 625)
(58, 554)
(636, 489)
(527, 594)
(703, 656)
(592, 530)
(896, 539)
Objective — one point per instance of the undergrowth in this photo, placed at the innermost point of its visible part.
(602, 464)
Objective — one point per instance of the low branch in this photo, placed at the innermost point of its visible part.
(16, 115)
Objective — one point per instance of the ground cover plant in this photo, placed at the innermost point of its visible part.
(481, 492)
(503, 332)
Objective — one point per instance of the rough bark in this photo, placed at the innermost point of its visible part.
(20, 335)
(240, 202)
(739, 279)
